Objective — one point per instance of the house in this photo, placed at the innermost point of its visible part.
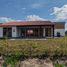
(32, 29)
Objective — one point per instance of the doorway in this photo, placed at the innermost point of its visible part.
(7, 32)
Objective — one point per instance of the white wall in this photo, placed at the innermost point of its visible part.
(62, 32)
(14, 32)
(43, 32)
(1, 32)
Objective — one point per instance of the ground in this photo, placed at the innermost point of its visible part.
(15, 49)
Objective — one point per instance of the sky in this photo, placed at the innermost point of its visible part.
(54, 10)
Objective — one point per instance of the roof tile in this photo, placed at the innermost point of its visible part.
(25, 23)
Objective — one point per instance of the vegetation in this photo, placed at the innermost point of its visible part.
(14, 50)
(59, 65)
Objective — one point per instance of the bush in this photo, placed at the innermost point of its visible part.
(58, 65)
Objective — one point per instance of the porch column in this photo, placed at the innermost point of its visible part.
(43, 32)
(52, 32)
(1, 32)
(14, 31)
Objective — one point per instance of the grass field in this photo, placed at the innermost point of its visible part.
(51, 47)
(13, 50)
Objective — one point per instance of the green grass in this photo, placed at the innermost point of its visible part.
(50, 47)
(58, 65)
(14, 50)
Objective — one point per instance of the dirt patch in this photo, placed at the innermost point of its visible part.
(36, 63)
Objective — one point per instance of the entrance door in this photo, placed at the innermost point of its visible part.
(48, 32)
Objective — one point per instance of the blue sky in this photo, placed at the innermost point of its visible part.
(20, 9)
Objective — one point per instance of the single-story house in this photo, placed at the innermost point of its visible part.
(32, 29)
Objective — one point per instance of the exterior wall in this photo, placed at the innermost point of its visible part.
(1, 32)
(61, 31)
(59, 27)
(14, 32)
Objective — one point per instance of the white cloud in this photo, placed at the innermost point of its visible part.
(60, 13)
(5, 19)
(28, 18)
(34, 18)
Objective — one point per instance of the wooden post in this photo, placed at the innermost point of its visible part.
(53, 30)
(7, 33)
(25, 32)
(38, 33)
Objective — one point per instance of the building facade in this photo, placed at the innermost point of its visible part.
(32, 29)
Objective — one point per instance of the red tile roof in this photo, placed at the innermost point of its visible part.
(25, 23)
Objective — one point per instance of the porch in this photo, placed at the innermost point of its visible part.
(35, 31)
(28, 31)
